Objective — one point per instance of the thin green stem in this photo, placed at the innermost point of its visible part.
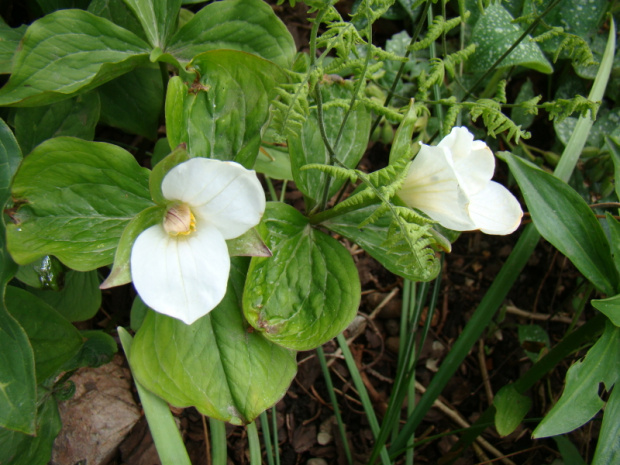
(334, 401)
(363, 393)
(219, 448)
(254, 444)
(274, 427)
(264, 423)
(272, 190)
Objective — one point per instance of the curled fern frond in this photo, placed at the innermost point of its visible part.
(454, 59)
(435, 76)
(345, 174)
(500, 94)
(577, 49)
(290, 109)
(563, 108)
(451, 115)
(495, 121)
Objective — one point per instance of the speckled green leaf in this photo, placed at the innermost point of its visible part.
(76, 198)
(223, 116)
(67, 52)
(245, 25)
(495, 33)
(307, 147)
(218, 364)
(580, 400)
(75, 117)
(308, 291)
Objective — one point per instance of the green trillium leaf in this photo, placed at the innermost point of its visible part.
(308, 291)
(218, 364)
(307, 147)
(222, 115)
(54, 342)
(67, 52)
(158, 18)
(76, 199)
(510, 409)
(9, 41)
(245, 25)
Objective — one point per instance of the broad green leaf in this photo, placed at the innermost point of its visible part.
(372, 238)
(23, 449)
(46, 273)
(570, 454)
(308, 147)
(494, 34)
(121, 270)
(54, 342)
(98, 349)
(610, 307)
(245, 25)
(161, 169)
(67, 52)
(249, 244)
(564, 219)
(580, 400)
(158, 18)
(274, 163)
(76, 199)
(224, 114)
(75, 117)
(218, 364)
(9, 41)
(510, 409)
(119, 13)
(78, 300)
(17, 378)
(613, 145)
(608, 447)
(614, 237)
(533, 339)
(134, 102)
(308, 291)
(519, 115)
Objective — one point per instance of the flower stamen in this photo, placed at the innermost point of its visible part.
(179, 220)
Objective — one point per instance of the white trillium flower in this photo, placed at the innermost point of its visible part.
(451, 183)
(180, 267)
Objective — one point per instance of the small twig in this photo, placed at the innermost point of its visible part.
(484, 372)
(537, 316)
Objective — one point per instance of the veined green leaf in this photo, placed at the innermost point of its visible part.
(564, 219)
(17, 379)
(580, 400)
(134, 102)
(158, 18)
(76, 198)
(608, 447)
(76, 117)
(610, 307)
(245, 25)
(9, 41)
(54, 342)
(67, 52)
(223, 115)
(119, 13)
(510, 409)
(308, 291)
(23, 449)
(218, 364)
(307, 147)
(495, 33)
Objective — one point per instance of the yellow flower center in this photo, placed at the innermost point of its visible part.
(179, 220)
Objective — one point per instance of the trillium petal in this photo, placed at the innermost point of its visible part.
(495, 210)
(183, 277)
(432, 186)
(473, 160)
(223, 195)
